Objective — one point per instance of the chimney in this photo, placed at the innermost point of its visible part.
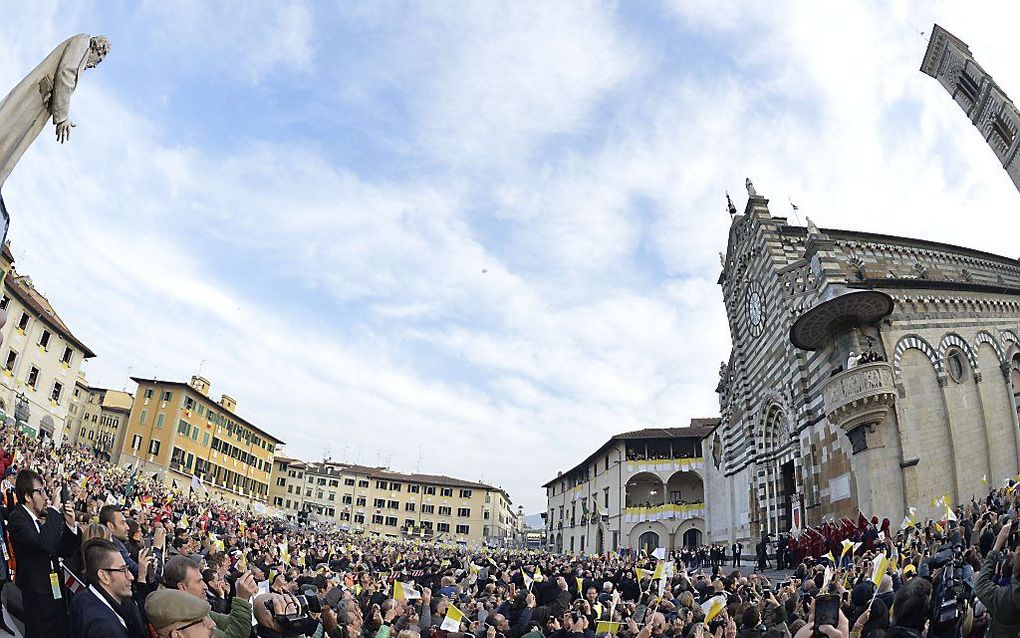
(228, 403)
(200, 384)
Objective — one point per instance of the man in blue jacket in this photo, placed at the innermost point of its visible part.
(103, 610)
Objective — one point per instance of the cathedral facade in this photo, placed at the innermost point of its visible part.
(867, 373)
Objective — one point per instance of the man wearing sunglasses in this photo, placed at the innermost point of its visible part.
(40, 535)
(105, 609)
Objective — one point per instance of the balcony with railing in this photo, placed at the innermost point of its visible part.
(861, 396)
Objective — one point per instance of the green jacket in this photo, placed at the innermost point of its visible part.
(1003, 602)
(236, 624)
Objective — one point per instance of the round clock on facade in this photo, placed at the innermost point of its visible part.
(756, 309)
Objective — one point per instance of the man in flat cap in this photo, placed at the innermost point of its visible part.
(178, 614)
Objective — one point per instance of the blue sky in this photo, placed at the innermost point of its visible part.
(473, 238)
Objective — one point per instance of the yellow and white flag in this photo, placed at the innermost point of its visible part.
(712, 607)
(828, 556)
(642, 573)
(847, 546)
(984, 479)
(605, 627)
(950, 515)
(880, 565)
(659, 571)
(538, 575)
(405, 591)
(452, 620)
(528, 580)
(826, 579)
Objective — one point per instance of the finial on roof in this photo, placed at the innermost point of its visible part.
(729, 205)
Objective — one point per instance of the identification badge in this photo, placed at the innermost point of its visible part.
(55, 584)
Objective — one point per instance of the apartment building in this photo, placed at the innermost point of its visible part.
(178, 430)
(104, 414)
(381, 502)
(41, 357)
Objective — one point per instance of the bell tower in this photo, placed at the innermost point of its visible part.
(948, 59)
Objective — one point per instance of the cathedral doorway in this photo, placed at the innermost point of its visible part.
(788, 489)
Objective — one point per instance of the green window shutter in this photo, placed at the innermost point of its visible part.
(144, 415)
(159, 421)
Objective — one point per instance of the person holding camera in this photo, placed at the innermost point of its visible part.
(184, 574)
(1003, 602)
(42, 530)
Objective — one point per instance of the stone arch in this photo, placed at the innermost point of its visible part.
(644, 488)
(924, 430)
(984, 336)
(951, 339)
(912, 341)
(996, 405)
(1009, 335)
(773, 431)
(684, 486)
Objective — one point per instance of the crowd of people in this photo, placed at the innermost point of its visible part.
(94, 551)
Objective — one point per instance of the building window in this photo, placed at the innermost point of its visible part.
(442, 527)
(430, 490)
(349, 482)
(159, 421)
(464, 512)
(409, 507)
(409, 523)
(428, 509)
(446, 491)
(463, 529)
(380, 485)
(66, 357)
(359, 518)
(391, 521)
(377, 519)
(6, 301)
(465, 493)
(395, 487)
(167, 395)
(33, 376)
(23, 322)
(956, 365)
(363, 483)
(347, 499)
(445, 510)
(360, 502)
(55, 392)
(12, 358)
(412, 489)
(379, 502)
(393, 505)
(44, 339)
(154, 447)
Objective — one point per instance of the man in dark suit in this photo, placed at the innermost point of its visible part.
(103, 610)
(737, 547)
(40, 535)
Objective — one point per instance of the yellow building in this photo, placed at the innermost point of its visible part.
(104, 414)
(177, 430)
(380, 502)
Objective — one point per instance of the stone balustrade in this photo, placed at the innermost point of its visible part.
(862, 395)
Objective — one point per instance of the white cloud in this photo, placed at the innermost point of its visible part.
(544, 278)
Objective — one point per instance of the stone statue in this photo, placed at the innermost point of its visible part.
(44, 93)
(750, 188)
(811, 228)
(730, 208)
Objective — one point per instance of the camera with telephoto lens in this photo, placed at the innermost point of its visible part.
(950, 593)
(293, 621)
